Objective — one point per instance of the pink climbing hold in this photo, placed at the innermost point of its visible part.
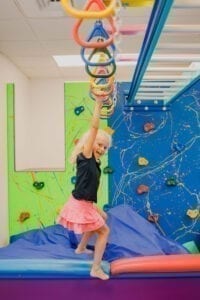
(149, 126)
(142, 188)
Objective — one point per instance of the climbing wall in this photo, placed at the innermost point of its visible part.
(155, 158)
(35, 198)
(153, 165)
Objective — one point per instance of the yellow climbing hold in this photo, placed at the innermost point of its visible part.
(193, 213)
(58, 210)
(142, 161)
(109, 130)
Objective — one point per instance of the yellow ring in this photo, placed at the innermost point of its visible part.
(133, 3)
(101, 86)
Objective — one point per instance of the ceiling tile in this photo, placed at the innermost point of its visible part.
(9, 10)
(22, 48)
(61, 47)
(15, 30)
(52, 29)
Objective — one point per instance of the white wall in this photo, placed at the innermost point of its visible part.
(3, 167)
(39, 129)
(42, 146)
(47, 127)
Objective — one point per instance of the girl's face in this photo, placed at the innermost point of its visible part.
(101, 145)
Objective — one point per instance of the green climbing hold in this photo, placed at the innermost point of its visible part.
(73, 179)
(171, 181)
(78, 110)
(108, 170)
(38, 185)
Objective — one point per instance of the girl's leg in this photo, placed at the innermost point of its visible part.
(83, 243)
(102, 237)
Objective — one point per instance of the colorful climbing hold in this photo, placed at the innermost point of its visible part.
(78, 110)
(142, 161)
(38, 185)
(153, 218)
(109, 130)
(23, 216)
(192, 247)
(142, 188)
(171, 181)
(76, 141)
(107, 207)
(149, 126)
(108, 170)
(193, 213)
(178, 147)
(73, 179)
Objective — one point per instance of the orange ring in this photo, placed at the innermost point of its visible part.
(97, 44)
(85, 14)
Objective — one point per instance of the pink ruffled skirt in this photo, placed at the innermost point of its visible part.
(80, 216)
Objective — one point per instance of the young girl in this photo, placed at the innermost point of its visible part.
(80, 213)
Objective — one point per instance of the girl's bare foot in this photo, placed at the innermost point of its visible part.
(85, 251)
(99, 273)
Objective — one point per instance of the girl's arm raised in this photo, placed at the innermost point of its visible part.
(88, 147)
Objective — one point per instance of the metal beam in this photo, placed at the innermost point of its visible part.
(157, 20)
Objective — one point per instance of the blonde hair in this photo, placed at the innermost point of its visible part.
(80, 144)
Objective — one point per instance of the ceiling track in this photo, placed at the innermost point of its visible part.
(161, 83)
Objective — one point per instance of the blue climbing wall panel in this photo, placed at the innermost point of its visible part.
(172, 151)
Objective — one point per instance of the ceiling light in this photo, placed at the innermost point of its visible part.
(76, 61)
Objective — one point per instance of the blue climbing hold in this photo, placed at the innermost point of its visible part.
(178, 147)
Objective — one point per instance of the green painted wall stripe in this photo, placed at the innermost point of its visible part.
(43, 205)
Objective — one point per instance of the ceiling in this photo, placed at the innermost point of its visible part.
(32, 31)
